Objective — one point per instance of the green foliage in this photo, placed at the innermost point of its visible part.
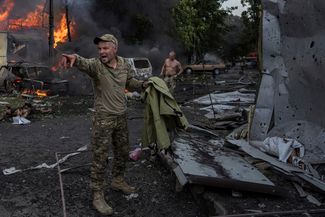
(251, 20)
(200, 25)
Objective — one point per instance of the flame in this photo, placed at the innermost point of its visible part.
(6, 9)
(61, 30)
(39, 93)
(33, 19)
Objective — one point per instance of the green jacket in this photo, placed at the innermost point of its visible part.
(161, 114)
(109, 83)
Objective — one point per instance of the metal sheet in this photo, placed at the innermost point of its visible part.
(293, 55)
(203, 161)
(254, 152)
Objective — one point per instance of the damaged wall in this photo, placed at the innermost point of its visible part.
(290, 100)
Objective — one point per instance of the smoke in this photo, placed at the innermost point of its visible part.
(99, 17)
(143, 28)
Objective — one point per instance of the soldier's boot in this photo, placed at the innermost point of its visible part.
(100, 203)
(119, 184)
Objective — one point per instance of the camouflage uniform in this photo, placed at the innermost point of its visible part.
(110, 119)
(108, 130)
(171, 83)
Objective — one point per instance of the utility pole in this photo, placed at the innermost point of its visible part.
(67, 19)
(51, 30)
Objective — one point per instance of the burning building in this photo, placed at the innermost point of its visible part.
(29, 31)
(26, 37)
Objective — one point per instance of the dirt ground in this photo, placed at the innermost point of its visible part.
(36, 193)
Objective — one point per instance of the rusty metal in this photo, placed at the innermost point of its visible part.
(278, 213)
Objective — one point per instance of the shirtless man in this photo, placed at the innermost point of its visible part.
(170, 70)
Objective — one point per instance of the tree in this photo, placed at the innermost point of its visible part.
(200, 25)
(251, 19)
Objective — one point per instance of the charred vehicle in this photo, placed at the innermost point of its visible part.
(141, 66)
(32, 77)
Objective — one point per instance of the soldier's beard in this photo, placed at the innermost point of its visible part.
(107, 58)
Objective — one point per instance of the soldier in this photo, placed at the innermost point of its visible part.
(170, 70)
(110, 74)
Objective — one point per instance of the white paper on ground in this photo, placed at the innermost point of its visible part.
(282, 147)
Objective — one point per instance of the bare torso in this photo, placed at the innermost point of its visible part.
(172, 67)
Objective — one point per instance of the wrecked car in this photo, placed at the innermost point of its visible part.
(25, 76)
(141, 66)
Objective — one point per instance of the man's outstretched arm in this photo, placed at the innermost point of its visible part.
(86, 65)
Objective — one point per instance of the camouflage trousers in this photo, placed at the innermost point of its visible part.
(108, 130)
(171, 83)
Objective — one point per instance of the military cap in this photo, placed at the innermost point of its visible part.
(107, 38)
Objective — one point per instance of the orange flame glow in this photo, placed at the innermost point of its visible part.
(5, 10)
(61, 30)
(39, 93)
(33, 19)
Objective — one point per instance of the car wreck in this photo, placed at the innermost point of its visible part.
(141, 66)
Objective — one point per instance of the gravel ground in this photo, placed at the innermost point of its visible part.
(36, 193)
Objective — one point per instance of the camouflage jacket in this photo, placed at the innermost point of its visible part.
(109, 84)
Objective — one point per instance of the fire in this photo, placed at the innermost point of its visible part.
(33, 19)
(6, 9)
(61, 30)
(39, 93)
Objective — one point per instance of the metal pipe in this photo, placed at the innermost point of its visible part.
(61, 186)
(207, 85)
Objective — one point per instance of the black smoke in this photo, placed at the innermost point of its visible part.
(143, 27)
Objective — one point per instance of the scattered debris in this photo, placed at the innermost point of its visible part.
(135, 154)
(283, 148)
(313, 200)
(18, 120)
(131, 196)
(13, 170)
